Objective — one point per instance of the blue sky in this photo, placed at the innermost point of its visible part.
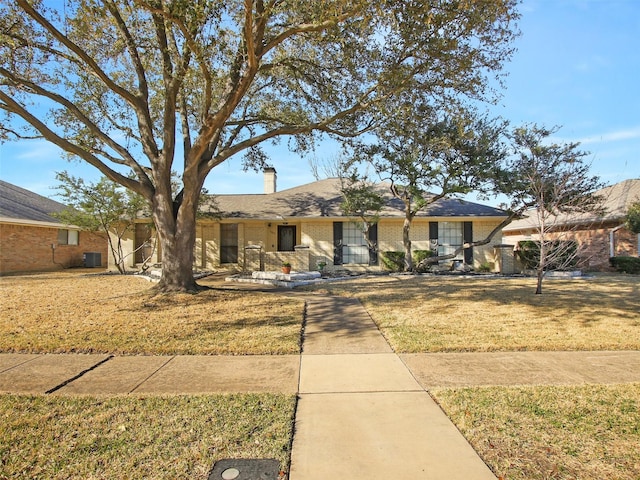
(577, 66)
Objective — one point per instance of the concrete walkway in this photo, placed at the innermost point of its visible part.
(363, 411)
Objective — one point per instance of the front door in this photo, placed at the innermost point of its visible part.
(286, 238)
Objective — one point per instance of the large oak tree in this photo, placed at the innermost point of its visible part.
(138, 87)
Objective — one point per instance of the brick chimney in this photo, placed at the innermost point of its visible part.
(270, 177)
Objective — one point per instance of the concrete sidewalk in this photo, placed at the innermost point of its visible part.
(116, 375)
(363, 411)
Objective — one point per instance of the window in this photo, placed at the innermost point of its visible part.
(450, 237)
(68, 237)
(229, 243)
(354, 246)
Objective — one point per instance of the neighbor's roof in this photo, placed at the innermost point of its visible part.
(323, 198)
(616, 200)
(19, 204)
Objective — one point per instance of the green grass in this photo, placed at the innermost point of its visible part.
(177, 437)
(587, 432)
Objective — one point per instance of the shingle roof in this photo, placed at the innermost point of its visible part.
(616, 201)
(21, 204)
(323, 198)
(619, 197)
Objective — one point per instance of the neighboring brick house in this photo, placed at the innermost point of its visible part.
(600, 237)
(32, 240)
(305, 226)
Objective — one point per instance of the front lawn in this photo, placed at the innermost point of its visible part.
(139, 437)
(483, 313)
(75, 312)
(586, 432)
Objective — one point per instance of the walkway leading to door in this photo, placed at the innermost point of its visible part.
(361, 413)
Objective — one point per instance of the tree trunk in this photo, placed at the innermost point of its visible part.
(177, 263)
(116, 252)
(177, 236)
(406, 241)
(542, 264)
(539, 282)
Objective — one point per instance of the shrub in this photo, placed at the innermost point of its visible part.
(626, 264)
(418, 256)
(486, 267)
(393, 261)
(561, 255)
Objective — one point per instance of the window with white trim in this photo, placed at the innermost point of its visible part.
(354, 245)
(450, 237)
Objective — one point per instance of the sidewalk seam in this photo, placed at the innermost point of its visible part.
(363, 392)
(22, 363)
(152, 374)
(76, 377)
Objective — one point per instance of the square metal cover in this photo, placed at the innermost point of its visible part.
(245, 469)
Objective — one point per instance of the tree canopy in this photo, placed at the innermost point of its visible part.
(137, 88)
(632, 219)
(436, 154)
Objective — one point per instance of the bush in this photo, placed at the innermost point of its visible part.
(394, 261)
(626, 264)
(561, 255)
(486, 267)
(418, 256)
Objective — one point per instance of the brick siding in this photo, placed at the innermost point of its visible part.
(25, 248)
(594, 241)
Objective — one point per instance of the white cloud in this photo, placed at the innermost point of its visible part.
(615, 136)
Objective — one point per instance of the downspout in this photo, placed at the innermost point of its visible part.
(612, 251)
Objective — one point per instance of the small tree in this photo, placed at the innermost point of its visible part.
(101, 206)
(632, 220)
(554, 180)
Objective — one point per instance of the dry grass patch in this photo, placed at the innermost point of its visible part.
(74, 312)
(450, 313)
(139, 437)
(562, 433)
